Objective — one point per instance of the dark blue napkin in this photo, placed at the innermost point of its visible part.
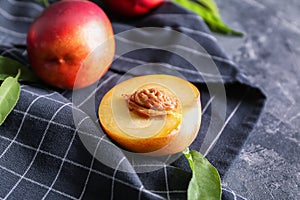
(43, 151)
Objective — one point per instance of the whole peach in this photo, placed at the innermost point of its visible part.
(131, 8)
(71, 44)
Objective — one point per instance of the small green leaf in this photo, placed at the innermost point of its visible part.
(208, 10)
(9, 67)
(9, 95)
(205, 183)
(45, 2)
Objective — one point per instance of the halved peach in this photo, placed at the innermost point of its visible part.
(166, 125)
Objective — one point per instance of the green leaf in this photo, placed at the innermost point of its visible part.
(9, 67)
(208, 10)
(45, 2)
(205, 183)
(9, 95)
(210, 4)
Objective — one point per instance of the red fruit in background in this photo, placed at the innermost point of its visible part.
(71, 45)
(131, 8)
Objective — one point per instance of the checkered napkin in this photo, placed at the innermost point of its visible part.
(43, 151)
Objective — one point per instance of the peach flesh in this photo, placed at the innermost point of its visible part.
(168, 135)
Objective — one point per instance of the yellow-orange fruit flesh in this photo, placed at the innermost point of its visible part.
(155, 134)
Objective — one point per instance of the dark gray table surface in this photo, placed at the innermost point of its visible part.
(268, 166)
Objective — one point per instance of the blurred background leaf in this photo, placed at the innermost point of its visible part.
(209, 11)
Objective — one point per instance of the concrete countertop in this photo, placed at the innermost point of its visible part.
(268, 166)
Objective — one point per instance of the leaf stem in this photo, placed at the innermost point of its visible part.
(18, 74)
(188, 156)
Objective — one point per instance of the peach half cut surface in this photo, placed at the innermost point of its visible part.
(152, 114)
